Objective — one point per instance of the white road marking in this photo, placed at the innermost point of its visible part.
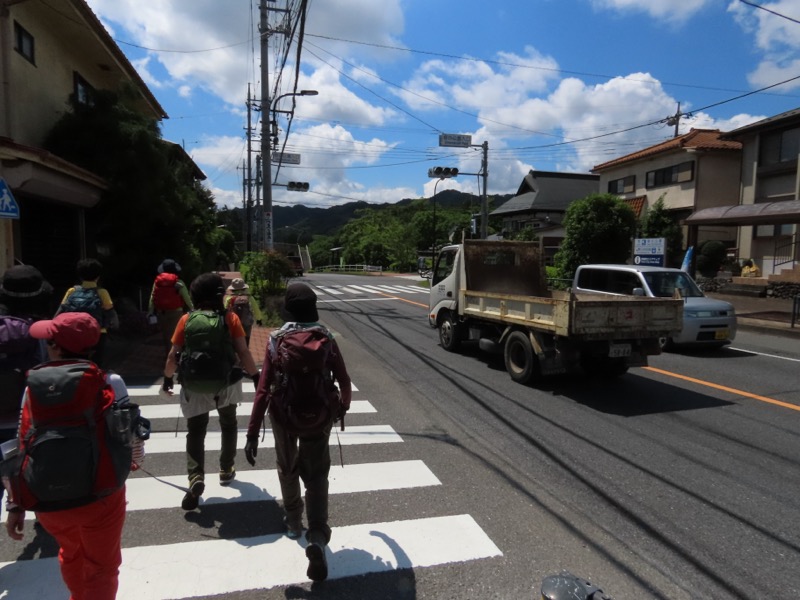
(149, 493)
(207, 568)
(154, 390)
(399, 289)
(168, 441)
(173, 411)
(328, 290)
(764, 354)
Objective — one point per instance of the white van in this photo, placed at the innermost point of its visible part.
(706, 322)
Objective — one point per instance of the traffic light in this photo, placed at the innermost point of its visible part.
(443, 172)
(297, 186)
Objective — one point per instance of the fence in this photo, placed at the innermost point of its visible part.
(348, 268)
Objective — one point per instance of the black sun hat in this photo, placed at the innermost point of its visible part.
(24, 281)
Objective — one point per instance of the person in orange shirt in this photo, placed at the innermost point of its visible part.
(207, 292)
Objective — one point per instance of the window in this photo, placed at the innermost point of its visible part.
(626, 185)
(779, 147)
(84, 93)
(769, 231)
(23, 42)
(675, 174)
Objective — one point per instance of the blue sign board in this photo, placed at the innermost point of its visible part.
(9, 209)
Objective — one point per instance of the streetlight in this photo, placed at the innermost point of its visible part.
(266, 152)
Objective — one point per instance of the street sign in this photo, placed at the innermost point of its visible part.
(455, 140)
(9, 209)
(285, 158)
(649, 251)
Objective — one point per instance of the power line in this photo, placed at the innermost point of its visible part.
(777, 14)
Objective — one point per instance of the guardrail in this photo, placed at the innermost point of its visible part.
(350, 268)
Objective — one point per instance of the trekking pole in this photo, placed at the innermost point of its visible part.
(339, 442)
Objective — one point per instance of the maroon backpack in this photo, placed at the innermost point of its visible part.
(240, 304)
(303, 395)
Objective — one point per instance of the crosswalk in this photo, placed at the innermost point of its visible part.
(332, 293)
(207, 566)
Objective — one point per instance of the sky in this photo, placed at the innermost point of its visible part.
(549, 85)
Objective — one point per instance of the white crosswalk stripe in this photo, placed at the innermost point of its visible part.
(210, 566)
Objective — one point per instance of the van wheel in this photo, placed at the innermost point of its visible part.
(449, 333)
(666, 344)
(521, 363)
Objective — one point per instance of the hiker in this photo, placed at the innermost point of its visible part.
(24, 298)
(169, 299)
(90, 298)
(303, 404)
(208, 340)
(78, 496)
(239, 300)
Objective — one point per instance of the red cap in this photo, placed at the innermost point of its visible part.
(76, 332)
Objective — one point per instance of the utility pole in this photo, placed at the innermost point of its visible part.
(248, 212)
(266, 118)
(485, 197)
(675, 120)
(261, 237)
(245, 175)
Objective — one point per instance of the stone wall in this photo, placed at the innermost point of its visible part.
(775, 289)
(783, 289)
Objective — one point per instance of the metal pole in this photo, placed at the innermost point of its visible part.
(266, 118)
(485, 198)
(248, 212)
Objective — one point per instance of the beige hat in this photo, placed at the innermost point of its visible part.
(238, 285)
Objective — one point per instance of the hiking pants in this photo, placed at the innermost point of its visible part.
(90, 548)
(167, 322)
(309, 459)
(196, 441)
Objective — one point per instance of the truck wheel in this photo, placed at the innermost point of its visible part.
(666, 344)
(449, 333)
(520, 361)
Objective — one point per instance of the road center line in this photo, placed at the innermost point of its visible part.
(726, 389)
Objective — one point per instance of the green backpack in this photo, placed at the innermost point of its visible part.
(207, 360)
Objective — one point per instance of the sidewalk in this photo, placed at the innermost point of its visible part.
(140, 361)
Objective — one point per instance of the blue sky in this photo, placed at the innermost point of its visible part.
(539, 80)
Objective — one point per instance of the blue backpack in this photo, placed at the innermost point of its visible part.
(84, 300)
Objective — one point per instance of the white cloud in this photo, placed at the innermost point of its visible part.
(669, 10)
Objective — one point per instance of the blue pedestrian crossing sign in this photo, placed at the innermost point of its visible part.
(9, 209)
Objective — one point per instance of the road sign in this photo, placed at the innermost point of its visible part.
(285, 158)
(455, 140)
(9, 209)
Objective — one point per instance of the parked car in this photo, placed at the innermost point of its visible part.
(706, 321)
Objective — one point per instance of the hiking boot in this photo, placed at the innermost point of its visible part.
(192, 497)
(226, 477)
(317, 563)
(293, 530)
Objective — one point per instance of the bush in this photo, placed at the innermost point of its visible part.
(710, 257)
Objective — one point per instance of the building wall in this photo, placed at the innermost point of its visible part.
(679, 195)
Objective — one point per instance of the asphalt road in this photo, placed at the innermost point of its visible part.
(678, 481)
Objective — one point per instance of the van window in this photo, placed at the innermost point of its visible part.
(608, 280)
(664, 283)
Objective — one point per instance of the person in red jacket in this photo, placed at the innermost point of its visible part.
(169, 299)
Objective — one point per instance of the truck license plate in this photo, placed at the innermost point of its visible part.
(721, 334)
(619, 350)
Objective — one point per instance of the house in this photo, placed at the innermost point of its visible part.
(48, 52)
(767, 212)
(540, 204)
(697, 170)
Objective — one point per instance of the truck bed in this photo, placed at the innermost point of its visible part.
(579, 316)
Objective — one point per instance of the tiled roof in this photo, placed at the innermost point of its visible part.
(697, 139)
(637, 204)
(543, 191)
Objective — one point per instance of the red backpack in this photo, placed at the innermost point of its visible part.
(74, 441)
(165, 292)
(303, 395)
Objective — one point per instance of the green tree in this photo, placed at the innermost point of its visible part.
(153, 194)
(658, 223)
(598, 229)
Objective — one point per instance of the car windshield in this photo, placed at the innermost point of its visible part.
(664, 283)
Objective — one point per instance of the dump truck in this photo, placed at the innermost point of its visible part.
(496, 293)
